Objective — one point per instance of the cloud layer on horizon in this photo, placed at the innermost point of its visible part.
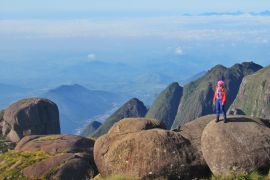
(220, 28)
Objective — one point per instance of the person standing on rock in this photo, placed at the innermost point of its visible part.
(219, 100)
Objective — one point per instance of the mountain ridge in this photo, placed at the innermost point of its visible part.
(166, 104)
(198, 94)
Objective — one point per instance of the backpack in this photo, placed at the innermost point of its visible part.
(219, 92)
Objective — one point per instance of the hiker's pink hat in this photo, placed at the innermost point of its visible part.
(221, 83)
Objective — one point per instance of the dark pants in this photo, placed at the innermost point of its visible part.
(219, 108)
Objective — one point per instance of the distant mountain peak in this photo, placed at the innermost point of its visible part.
(251, 64)
(71, 87)
(218, 68)
(90, 128)
(77, 104)
(134, 100)
(165, 106)
(132, 108)
(232, 13)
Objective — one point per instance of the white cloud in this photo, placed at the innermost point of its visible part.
(178, 51)
(239, 28)
(91, 57)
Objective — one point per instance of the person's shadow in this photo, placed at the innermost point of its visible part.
(245, 119)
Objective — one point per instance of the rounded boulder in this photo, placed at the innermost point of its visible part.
(70, 157)
(55, 144)
(240, 145)
(33, 116)
(145, 152)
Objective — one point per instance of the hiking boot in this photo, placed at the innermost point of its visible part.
(217, 118)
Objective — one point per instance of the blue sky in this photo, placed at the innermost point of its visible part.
(181, 6)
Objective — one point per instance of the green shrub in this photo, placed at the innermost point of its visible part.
(49, 137)
(13, 162)
(241, 176)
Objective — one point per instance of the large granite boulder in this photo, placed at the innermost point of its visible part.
(142, 150)
(70, 157)
(241, 145)
(34, 116)
(55, 144)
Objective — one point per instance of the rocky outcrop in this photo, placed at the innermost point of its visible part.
(55, 144)
(197, 96)
(29, 117)
(241, 145)
(70, 157)
(132, 108)
(145, 151)
(253, 97)
(165, 106)
(90, 128)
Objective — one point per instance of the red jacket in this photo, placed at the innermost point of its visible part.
(220, 93)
